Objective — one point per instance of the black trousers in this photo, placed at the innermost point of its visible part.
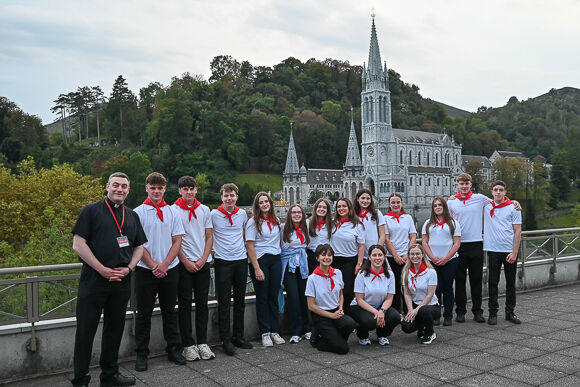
(197, 282)
(312, 262)
(346, 265)
(297, 305)
(95, 298)
(470, 262)
(366, 322)
(495, 261)
(397, 298)
(333, 332)
(423, 321)
(147, 288)
(445, 278)
(267, 292)
(228, 275)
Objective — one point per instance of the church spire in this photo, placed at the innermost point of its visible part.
(352, 153)
(291, 159)
(374, 65)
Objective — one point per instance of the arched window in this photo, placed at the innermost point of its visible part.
(419, 158)
(388, 187)
(438, 182)
(297, 195)
(366, 113)
(380, 109)
(353, 190)
(436, 159)
(428, 158)
(456, 159)
(291, 196)
(286, 194)
(372, 110)
(401, 157)
(420, 181)
(411, 181)
(410, 157)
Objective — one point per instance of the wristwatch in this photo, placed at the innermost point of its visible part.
(131, 271)
(383, 310)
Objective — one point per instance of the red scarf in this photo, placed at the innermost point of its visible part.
(157, 206)
(464, 198)
(506, 203)
(437, 223)
(392, 214)
(182, 204)
(342, 221)
(319, 272)
(377, 275)
(422, 268)
(299, 233)
(363, 215)
(269, 222)
(227, 214)
(319, 224)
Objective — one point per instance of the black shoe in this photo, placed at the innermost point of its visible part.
(314, 339)
(460, 317)
(478, 317)
(229, 348)
(141, 363)
(242, 343)
(173, 355)
(447, 321)
(436, 322)
(420, 332)
(511, 317)
(119, 380)
(492, 319)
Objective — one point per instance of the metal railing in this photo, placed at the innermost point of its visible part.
(32, 298)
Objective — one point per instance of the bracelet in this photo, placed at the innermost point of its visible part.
(130, 270)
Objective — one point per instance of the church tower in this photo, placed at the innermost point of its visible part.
(353, 170)
(294, 177)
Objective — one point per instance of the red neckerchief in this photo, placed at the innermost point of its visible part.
(342, 221)
(363, 215)
(464, 198)
(182, 204)
(422, 268)
(319, 272)
(319, 224)
(437, 223)
(377, 275)
(299, 233)
(227, 214)
(269, 222)
(157, 206)
(506, 203)
(392, 214)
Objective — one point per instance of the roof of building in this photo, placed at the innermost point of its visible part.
(291, 159)
(352, 152)
(440, 170)
(418, 136)
(510, 154)
(324, 176)
(482, 159)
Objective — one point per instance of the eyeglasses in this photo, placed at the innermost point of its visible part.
(437, 205)
(296, 212)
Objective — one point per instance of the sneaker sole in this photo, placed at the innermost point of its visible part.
(431, 340)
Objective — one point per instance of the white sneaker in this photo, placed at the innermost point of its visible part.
(266, 340)
(190, 353)
(276, 338)
(364, 341)
(307, 335)
(295, 339)
(384, 341)
(205, 352)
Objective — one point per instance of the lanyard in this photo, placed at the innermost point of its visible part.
(114, 217)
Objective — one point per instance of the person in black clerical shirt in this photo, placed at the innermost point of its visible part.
(109, 238)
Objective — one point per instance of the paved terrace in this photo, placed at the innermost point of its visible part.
(544, 350)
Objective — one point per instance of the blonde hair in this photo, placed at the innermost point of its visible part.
(405, 272)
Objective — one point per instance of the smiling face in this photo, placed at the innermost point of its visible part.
(396, 204)
(155, 192)
(464, 187)
(322, 210)
(118, 189)
(416, 256)
(342, 209)
(325, 260)
(264, 204)
(438, 208)
(364, 200)
(229, 199)
(377, 258)
(188, 194)
(296, 215)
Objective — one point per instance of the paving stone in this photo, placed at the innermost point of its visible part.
(441, 350)
(407, 359)
(556, 323)
(222, 361)
(531, 329)
(515, 351)
(531, 374)
(572, 351)
(169, 376)
(361, 384)
(276, 383)
(486, 380)
(574, 317)
(569, 380)
(482, 360)
(404, 378)
(290, 367)
(503, 335)
(446, 371)
(559, 307)
(244, 376)
(264, 355)
(545, 344)
(326, 377)
(557, 362)
(332, 359)
(565, 335)
(366, 369)
(475, 342)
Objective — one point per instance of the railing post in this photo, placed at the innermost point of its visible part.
(32, 311)
(555, 250)
(522, 252)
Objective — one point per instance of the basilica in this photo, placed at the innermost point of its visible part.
(418, 165)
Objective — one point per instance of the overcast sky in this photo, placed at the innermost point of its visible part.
(465, 53)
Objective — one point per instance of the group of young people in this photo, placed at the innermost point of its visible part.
(357, 269)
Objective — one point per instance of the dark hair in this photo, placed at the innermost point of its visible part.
(289, 225)
(155, 178)
(314, 218)
(400, 197)
(446, 214)
(366, 266)
(118, 174)
(499, 182)
(186, 181)
(323, 249)
(372, 208)
(257, 213)
(228, 187)
(354, 219)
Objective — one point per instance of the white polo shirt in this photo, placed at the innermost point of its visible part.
(193, 242)
(268, 242)
(499, 230)
(159, 233)
(371, 229)
(440, 239)
(319, 288)
(375, 291)
(399, 232)
(321, 237)
(469, 216)
(294, 240)
(423, 281)
(346, 239)
(228, 239)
